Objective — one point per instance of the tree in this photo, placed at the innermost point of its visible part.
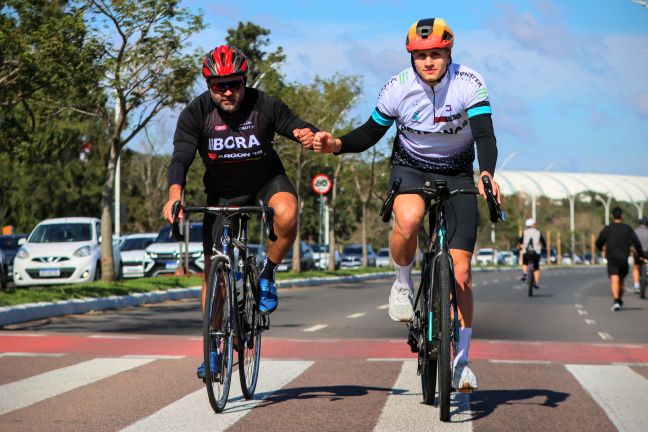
(146, 71)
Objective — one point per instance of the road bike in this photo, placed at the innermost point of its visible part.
(231, 318)
(434, 331)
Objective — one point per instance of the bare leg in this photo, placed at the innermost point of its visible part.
(285, 225)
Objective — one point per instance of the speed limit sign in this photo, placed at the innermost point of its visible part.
(321, 184)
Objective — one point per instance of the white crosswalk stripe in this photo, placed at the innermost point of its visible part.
(620, 391)
(193, 412)
(404, 410)
(28, 391)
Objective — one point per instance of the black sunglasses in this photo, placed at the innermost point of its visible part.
(223, 86)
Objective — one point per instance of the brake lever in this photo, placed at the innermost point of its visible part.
(496, 213)
(386, 209)
(175, 210)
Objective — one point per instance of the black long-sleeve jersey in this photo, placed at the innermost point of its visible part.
(618, 237)
(236, 148)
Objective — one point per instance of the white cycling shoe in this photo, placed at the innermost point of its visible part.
(400, 302)
(464, 379)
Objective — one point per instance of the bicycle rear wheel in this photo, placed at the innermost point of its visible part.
(427, 352)
(217, 335)
(530, 277)
(249, 346)
(445, 280)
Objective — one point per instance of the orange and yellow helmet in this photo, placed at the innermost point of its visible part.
(429, 33)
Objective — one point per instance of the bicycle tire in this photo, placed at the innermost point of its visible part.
(445, 281)
(643, 280)
(530, 277)
(427, 360)
(218, 336)
(249, 345)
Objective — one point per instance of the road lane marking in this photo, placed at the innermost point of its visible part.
(26, 392)
(193, 412)
(356, 315)
(153, 356)
(496, 280)
(578, 306)
(605, 336)
(590, 321)
(581, 311)
(26, 354)
(403, 409)
(535, 362)
(23, 334)
(316, 327)
(385, 306)
(620, 391)
(98, 336)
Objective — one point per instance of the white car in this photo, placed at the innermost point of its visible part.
(383, 260)
(62, 250)
(485, 256)
(133, 253)
(163, 255)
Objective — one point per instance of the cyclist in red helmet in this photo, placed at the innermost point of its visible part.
(441, 110)
(232, 127)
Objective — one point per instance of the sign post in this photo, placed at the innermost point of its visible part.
(321, 185)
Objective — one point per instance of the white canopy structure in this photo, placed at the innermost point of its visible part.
(561, 185)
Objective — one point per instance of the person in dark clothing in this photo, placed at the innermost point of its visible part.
(617, 239)
(232, 128)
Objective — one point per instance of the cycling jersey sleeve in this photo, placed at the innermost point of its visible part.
(367, 135)
(185, 145)
(484, 136)
(285, 121)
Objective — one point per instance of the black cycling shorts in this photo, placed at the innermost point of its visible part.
(212, 223)
(619, 268)
(534, 257)
(460, 210)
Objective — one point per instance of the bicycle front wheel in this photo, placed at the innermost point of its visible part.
(249, 346)
(643, 280)
(445, 281)
(217, 336)
(427, 350)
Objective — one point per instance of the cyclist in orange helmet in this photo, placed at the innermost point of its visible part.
(441, 110)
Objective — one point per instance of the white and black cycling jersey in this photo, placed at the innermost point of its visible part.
(433, 128)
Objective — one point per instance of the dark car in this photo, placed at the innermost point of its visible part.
(9, 246)
(306, 260)
(352, 256)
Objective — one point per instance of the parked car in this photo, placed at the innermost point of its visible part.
(306, 260)
(352, 256)
(163, 255)
(382, 258)
(133, 251)
(9, 246)
(554, 256)
(507, 258)
(485, 256)
(321, 256)
(62, 250)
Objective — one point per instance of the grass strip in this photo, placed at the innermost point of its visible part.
(53, 293)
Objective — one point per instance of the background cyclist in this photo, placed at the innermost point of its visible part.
(531, 244)
(642, 234)
(232, 127)
(441, 110)
(617, 239)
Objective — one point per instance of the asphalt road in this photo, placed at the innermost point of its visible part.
(334, 361)
(572, 305)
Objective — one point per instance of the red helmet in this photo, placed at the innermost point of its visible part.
(428, 34)
(224, 61)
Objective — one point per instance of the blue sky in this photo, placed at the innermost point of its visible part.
(568, 81)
